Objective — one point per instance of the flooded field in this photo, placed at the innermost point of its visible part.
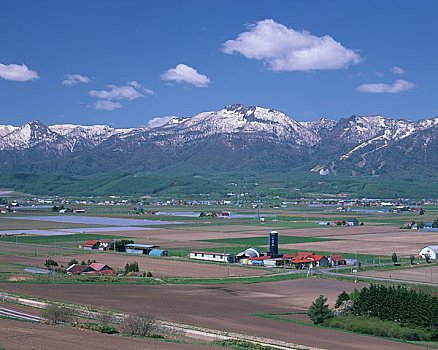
(94, 220)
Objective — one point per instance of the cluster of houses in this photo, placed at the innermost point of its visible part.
(253, 256)
(347, 222)
(272, 258)
(130, 248)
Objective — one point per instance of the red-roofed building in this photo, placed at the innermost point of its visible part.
(99, 269)
(77, 269)
(337, 260)
(105, 244)
(306, 259)
(93, 244)
(92, 269)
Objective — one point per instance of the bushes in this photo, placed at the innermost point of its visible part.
(377, 327)
(92, 326)
(50, 263)
(56, 314)
(139, 324)
(132, 267)
(243, 344)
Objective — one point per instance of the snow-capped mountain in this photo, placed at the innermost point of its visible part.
(33, 134)
(81, 136)
(319, 126)
(6, 129)
(235, 137)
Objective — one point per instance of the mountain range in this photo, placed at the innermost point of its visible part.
(235, 138)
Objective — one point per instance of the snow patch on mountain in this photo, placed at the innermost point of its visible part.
(6, 129)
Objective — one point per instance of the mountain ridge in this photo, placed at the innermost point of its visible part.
(236, 137)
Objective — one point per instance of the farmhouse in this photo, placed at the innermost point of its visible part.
(77, 269)
(93, 244)
(431, 251)
(307, 260)
(100, 269)
(337, 260)
(92, 269)
(212, 256)
(103, 244)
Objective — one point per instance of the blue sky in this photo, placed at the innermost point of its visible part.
(125, 62)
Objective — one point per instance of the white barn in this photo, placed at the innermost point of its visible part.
(211, 256)
(431, 250)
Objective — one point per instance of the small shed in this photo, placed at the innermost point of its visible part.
(159, 252)
(136, 248)
(337, 260)
(431, 251)
(352, 222)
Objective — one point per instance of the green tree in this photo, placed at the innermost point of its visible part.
(319, 311)
(435, 223)
(120, 245)
(427, 257)
(72, 261)
(50, 262)
(421, 211)
(411, 259)
(132, 267)
(394, 258)
(341, 298)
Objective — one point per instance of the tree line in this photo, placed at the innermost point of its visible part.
(396, 303)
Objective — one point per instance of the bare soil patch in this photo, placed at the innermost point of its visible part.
(16, 335)
(416, 274)
(375, 240)
(223, 307)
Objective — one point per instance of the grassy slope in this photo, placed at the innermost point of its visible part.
(291, 184)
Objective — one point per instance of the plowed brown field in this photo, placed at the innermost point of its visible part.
(224, 307)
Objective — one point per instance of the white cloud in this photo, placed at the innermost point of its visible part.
(395, 88)
(105, 105)
(17, 72)
(75, 79)
(131, 91)
(186, 74)
(158, 121)
(397, 70)
(285, 49)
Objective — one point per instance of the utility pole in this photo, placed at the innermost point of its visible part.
(258, 208)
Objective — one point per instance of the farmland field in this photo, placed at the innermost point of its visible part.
(18, 335)
(215, 295)
(223, 307)
(427, 274)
